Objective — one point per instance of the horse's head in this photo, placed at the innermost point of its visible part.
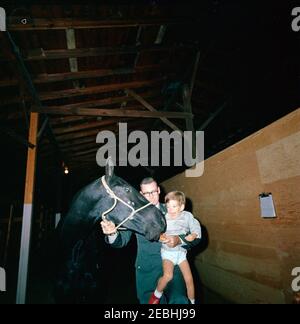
(79, 233)
(146, 218)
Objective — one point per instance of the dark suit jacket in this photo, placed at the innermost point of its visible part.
(149, 269)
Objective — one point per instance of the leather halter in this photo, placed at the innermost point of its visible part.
(116, 199)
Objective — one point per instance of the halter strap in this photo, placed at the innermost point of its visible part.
(116, 199)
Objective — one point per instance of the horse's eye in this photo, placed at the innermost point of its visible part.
(127, 189)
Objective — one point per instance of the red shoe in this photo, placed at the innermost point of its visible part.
(153, 299)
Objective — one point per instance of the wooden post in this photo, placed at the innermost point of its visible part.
(28, 211)
(195, 70)
(187, 103)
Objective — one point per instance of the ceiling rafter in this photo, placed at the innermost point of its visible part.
(41, 54)
(70, 93)
(16, 23)
(98, 73)
(115, 113)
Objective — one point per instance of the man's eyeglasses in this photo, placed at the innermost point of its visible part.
(150, 193)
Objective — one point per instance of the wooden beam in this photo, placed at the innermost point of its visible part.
(34, 95)
(152, 109)
(41, 54)
(71, 93)
(81, 142)
(115, 113)
(194, 74)
(28, 211)
(72, 146)
(88, 104)
(80, 135)
(105, 102)
(70, 119)
(62, 121)
(188, 107)
(73, 61)
(161, 34)
(187, 104)
(17, 23)
(93, 132)
(69, 76)
(89, 125)
(212, 117)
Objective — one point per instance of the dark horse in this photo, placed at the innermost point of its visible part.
(81, 270)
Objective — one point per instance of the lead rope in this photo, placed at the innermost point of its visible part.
(116, 199)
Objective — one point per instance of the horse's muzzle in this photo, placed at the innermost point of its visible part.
(153, 232)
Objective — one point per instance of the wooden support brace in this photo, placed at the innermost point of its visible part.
(151, 108)
(28, 211)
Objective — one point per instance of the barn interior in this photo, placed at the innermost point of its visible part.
(228, 68)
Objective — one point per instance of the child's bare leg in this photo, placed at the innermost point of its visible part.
(168, 269)
(188, 278)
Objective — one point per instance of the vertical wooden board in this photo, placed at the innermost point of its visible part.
(238, 289)
(27, 212)
(225, 199)
(31, 159)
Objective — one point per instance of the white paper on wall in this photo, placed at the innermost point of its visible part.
(267, 206)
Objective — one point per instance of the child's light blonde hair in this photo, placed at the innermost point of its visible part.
(176, 195)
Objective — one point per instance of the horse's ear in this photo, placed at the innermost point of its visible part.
(109, 169)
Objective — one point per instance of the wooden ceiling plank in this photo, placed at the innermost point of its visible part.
(115, 113)
(17, 23)
(71, 93)
(69, 76)
(98, 89)
(88, 125)
(38, 54)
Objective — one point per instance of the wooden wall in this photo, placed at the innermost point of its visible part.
(250, 259)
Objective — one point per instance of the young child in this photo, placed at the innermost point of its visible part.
(179, 222)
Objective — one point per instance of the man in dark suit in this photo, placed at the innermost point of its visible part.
(148, 262)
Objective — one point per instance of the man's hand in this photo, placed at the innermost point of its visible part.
(172, 241)
(108, 227)
(163, 238)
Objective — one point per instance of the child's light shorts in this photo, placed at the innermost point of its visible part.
(175, 257)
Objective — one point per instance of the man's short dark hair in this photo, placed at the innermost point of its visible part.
(147, 181)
